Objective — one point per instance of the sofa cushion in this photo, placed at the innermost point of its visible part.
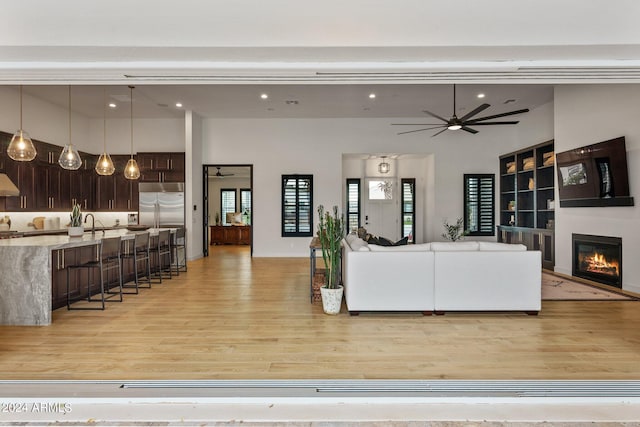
(454, 246)
(351, 238)
(359, 245)
(419, 247)
(496, 246)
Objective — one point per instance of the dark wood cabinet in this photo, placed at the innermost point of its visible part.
(161, 167)
(115, 192)
(230, 235)
(527, 187)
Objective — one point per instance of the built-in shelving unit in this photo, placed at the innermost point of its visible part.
(527, 198)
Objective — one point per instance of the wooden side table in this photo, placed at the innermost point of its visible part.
(313, 245)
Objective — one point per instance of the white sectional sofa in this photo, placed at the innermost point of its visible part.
(440, 277)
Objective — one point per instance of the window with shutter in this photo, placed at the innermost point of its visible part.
(353, 203)
(408, 228)
(227, 203)
(479, 205)
(245, 204)
(297, 205)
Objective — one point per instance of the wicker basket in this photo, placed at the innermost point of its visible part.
(318, 282)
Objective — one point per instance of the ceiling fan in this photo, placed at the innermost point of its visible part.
(221, 175)
(464, 122)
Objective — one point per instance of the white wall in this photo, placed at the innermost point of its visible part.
(586, 115)
(316, 146)
(148, 135)
(194, 219)
(43, 121)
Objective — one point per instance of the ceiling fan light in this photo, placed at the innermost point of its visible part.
(454, 127)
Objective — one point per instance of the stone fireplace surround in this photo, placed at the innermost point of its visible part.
(597, 258)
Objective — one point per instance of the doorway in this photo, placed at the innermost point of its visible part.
(228, 205)
(381, 207)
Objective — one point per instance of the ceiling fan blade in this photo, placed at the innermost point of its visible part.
(416, 124)
(468, 129)
(474, 112)
(438, 133)
(510, 113)
(435, 115)
(515, 122)
(420, 130)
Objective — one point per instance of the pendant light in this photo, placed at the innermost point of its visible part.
(131, 170)
(105, 164)
(70, 158)
(21, 147)
(384, 166)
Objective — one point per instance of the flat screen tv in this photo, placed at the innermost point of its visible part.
(594, 175)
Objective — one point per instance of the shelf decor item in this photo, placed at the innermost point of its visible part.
(75, 227)
(331, 230)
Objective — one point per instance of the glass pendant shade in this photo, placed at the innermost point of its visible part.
(105, 165)
(21, 147)
(70, 158)
(132, 171)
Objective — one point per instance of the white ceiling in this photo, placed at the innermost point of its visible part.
(294, 101)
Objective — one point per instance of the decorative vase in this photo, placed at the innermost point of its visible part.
(331, 299)
(76, 231)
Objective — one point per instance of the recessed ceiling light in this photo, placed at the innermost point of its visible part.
(372, 95)
(179, 104)
(481, 95)
(264, 96)
(112, 105)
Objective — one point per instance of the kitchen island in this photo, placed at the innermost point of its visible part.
(27, 265)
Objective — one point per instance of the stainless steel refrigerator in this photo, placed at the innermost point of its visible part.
(161, 204)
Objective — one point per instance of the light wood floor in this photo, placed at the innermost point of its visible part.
(233, 317)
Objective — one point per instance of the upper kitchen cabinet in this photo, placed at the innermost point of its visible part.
(161, 167)
(115, 192)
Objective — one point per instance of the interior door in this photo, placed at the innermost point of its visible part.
(381, 208)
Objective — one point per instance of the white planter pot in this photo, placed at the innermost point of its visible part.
(331, 299)
(76, 231)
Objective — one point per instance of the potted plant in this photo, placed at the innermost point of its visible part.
(330, 233)
(454, 232)
(76, 228)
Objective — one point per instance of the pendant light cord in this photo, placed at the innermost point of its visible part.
(69, 115)
(104, 119)
(131, 96)
(21, 108)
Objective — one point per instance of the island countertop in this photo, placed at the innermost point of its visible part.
(26, 265)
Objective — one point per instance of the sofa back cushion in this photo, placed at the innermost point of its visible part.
(454, 246)
(496, 246)
(418, 247)
(356, 243)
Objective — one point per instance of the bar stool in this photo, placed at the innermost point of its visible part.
(178, 244)
(137, 251)
(160, 250)
(107, 259)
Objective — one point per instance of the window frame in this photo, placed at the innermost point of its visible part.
(297, 233)
(223, 217)
(412, 183)
(358, 212)
(482, 178)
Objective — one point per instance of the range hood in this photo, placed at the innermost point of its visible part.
(7, 188)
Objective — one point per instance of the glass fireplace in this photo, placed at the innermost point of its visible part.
(598, 258)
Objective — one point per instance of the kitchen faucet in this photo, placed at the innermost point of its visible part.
(93, 222)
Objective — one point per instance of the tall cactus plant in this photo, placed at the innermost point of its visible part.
(331, 230)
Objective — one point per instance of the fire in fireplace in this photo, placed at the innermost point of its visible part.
(598, 258)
